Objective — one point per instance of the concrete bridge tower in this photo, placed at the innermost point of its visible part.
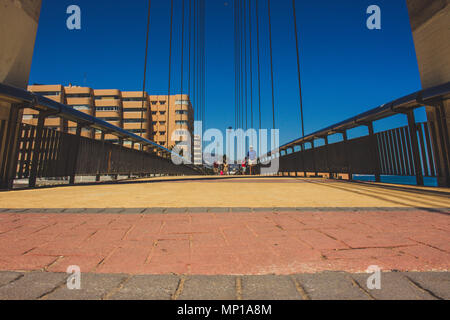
(18, 26)
(430, 23)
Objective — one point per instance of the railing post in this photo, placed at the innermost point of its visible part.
(11, 135)
(377, 152)
(296, 168)
(415, 147)
(102, 139)
(347, 152)
(75, 153)
(331, 174)
(437, 120)
(302, 149)
(132, 148)
(36, 150)
(313, 146)
(116, 176)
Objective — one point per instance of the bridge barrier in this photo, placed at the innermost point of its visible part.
(413, 150)
(47, 153)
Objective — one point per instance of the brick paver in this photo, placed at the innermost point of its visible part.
(248, 243)
(198, 239)
(321, 286)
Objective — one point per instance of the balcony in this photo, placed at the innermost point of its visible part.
(107, 103)
(78, 101)
(134, 115)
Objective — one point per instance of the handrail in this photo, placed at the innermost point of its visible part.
(411, 101)
(42, 103)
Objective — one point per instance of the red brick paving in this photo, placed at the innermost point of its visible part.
(226, 243)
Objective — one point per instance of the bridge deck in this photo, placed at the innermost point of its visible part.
(260, 192)
(220, 226)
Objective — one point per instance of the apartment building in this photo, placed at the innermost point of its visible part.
(81, 99)
(53, 92)
(136, 117)
(166, 121)
(108, 107)
(198, 153)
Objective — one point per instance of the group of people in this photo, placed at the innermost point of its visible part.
(246, 167)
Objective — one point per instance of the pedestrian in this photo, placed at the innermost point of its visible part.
(252, 159)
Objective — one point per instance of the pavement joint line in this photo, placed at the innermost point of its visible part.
(368, 193)
(171, 210)
(45, 295)
(367, 293)
(238, 288)
(43, 228)
(427, 245)
(369, 187)
(20, 276)
(180, 288)
(119, 287)
(51, 264)
(128, 232)
(104, 259)
(300, 289)
(418, 286)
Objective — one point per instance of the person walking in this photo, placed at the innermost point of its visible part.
(251, 159)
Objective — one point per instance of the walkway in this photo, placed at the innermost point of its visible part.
(225, 227)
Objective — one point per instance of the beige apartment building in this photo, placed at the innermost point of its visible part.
(166, 121)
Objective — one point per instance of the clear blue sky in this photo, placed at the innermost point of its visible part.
(346, 68)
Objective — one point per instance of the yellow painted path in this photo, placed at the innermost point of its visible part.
(255, 192)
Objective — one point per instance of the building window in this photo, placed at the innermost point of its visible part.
(137, 130)
(107, 108)
(162, 123)
(133, 99)
(182, 102)
(162, 133)
(182, 112)
(48, 93)
(162, 113)
(82, 107)
(154, 112)
(110, 119)
(162, 103)
(78, 95)
(181, 122)
(133, 120)
(106, 97)
(134, 110)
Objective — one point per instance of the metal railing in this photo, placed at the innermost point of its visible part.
(415, 150)
(47, 153)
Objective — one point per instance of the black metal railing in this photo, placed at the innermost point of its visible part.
(47, 153)
(418, 149)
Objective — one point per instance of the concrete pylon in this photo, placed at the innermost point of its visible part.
(430, 23)
(18, 26)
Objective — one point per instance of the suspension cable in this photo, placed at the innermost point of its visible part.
(145, 68)
(182, 50)
(189, 55)
(251, 63)
(271, 64)
(239, 61)
(235, 64)
(242, 65)
(259, 64)
(245, 65)
(170, 69)
(298, 68)
(194, 62)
